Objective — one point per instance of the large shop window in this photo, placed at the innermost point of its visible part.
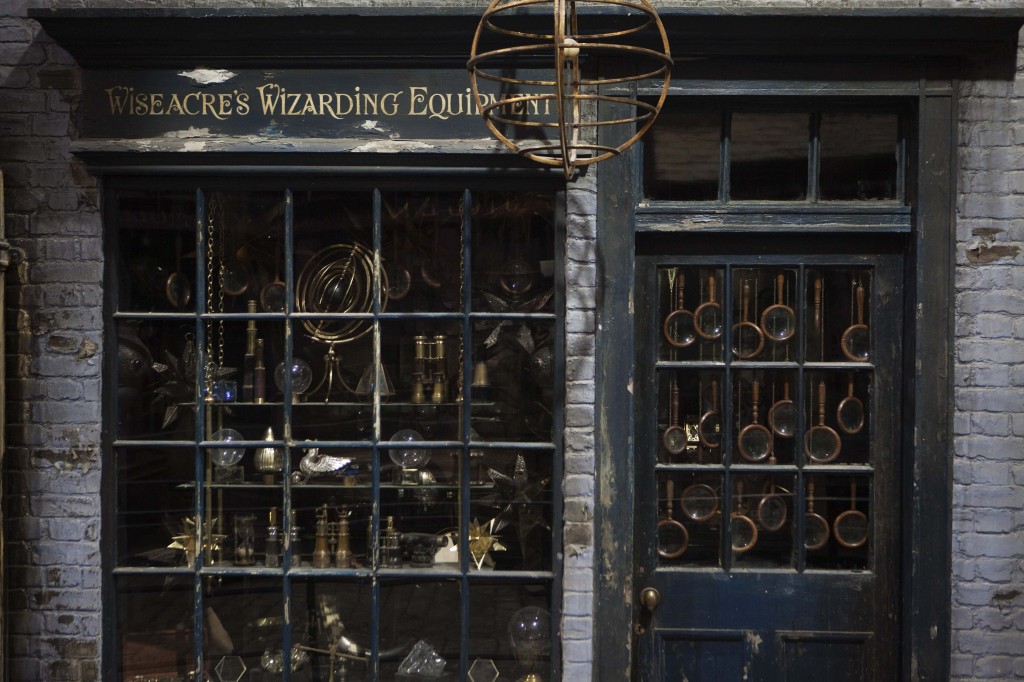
(333, 431)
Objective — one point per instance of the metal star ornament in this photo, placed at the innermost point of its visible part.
(482, 541)
(186, 539)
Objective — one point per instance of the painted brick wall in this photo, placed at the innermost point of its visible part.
(52, 470)
(988, 490)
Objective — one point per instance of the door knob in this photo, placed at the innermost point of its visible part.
(650, 598)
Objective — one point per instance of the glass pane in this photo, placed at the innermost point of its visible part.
(838, 522)
(779, 412)
(859, 155)
(682, 156)
(837, 412)
(422, 251)
(510, 630)
(156, 379)
(326, 616)
(243, 621)
(155, 503)
(761, 532)
(511, 522)
(157, 251)
(422, 360)
(242, 237)
(413, 612)
(839, 315)
(513, 252)
(688, 530)
(156, 627)
(513, 380)
(691, 318)
(768, 153)
(689, 417)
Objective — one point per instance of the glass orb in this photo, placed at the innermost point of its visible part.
(529, 633)
(408, 458)
(302, 376)
(226, 457)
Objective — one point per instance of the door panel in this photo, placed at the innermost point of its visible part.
(767, 461)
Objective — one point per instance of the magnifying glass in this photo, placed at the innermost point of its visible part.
(856, 340)
(850, 528)
(674, 438)
(673, 537)
(707, 318)
(709, 429)
(772, 510)
(177, 288)
(821, 442)
(816, 530)
(778, 322)
(782, 415)
(234, 278)
(755, 440)
(742, 529)
(273, 293)
(850, 413)
(699, 502)
(679, 329)
(747, 337)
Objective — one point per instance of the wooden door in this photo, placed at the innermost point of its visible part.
(768, 451)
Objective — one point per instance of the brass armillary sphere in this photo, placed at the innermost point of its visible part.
(530, 86)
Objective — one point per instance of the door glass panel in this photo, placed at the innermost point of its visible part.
(692, 315)
(768, 152)
(839, 315)
(858, 155)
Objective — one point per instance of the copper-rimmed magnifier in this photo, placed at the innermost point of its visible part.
(673, 537)
(709, 428)
(399, 279)
(699, 502)
(850, 528)
(273, 296)
(816, 530)
(742, 529)
(679, 329)
(755, 440)
(821, 442)
(778, 322)
(707, 318)
(782, 415)
(747, 337)
(856, 340)
(177, 288)
(850, 412)
(772, 511)
(674, 438)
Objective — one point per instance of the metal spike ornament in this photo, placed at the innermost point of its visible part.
(531, 105)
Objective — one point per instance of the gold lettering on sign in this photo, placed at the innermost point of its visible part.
(125, 101)
(274, 99)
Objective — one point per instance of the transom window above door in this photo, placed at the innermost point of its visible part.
(728, 152)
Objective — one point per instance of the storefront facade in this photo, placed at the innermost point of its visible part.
(513, 410)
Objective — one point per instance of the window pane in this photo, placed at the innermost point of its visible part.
(858, 155)
(769, 156)
(158, 251)
(682, 155)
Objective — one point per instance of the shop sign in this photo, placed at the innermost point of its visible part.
(391, 103)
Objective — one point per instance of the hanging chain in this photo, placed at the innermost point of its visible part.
(460, 380)
(211, 237)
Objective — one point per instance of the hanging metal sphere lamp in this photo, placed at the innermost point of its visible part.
(531, 86)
